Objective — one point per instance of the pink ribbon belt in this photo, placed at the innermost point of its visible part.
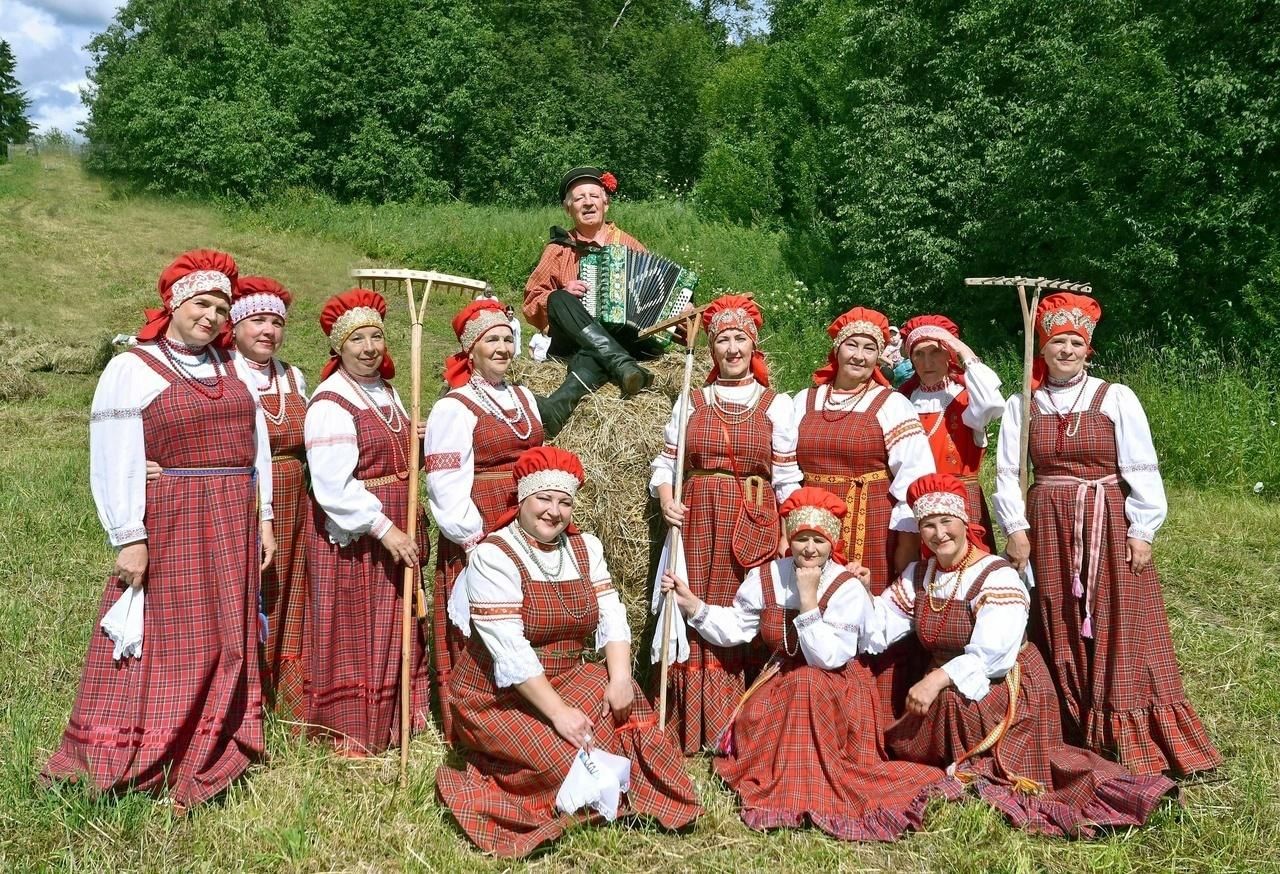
(1077, 538)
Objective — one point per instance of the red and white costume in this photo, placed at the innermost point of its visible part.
(531, 606)
(357, 435)
(739, 465)
(1102, 629)
(475, 433)
(956, 412)
(187, 713)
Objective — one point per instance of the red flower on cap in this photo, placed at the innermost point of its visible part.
(609, 182)
(338, 306)
(859, 321)
(1063, 313)
(215, 272)
(736, 312)
(472, 322)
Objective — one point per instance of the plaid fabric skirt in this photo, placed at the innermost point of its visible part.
(284, 591)
(1078, 791)
(188, 713)
(1121, 692)
(504, 795)
(807, 749)
(353, 639)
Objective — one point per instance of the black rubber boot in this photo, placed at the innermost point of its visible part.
(584, 377)
(618, 363)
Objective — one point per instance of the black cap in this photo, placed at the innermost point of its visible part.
(577, 174)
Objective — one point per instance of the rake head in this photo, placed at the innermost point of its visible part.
(1027, 282)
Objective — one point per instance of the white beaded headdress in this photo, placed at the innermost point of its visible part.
(940, 503)
(1073, 317)
(198, 282)
(862, 328)
(257, 304)
(547, 480)
(733, 318)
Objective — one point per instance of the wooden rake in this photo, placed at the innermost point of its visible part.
(1029, 303)
(412, 592)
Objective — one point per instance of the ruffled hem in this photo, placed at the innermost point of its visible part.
(1151, 740)
(877, 825)
(1116, 803)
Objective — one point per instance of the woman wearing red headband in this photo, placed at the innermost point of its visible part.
(1100, 617)
(987, 709)
(357, 435)
(475, 433)
(956, 397)
(862, 441)
(739, 463)
(544, 732)
(804, 746)
(173, 700)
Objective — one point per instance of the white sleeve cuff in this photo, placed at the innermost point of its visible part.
(1141, 534)
(902, 519)
(967, 675)
(515, 666)
(381, 525)
(126, 534)
(1016, 526)
(804, 620)
(266, 513)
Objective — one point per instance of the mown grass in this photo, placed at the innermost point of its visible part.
(78, 262)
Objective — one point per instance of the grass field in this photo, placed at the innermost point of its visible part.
(78, 262)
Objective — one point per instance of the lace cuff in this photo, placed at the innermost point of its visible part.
(701, 616)
(1142, 534)
(127, 534)
(807, 620)
(1016, 526)
(515, 667)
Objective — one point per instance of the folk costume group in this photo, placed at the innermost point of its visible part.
(846, 641)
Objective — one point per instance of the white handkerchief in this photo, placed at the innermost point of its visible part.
(123, 624)
(597, 780)
(679, 647)
(460, 604)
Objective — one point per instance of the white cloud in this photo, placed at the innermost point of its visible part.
(89, 12)
(63, 118)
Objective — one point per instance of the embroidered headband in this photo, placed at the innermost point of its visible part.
(198, 282)
(481, 323)
(864, 328)
(929, 332)
(939, 503)
(547, 480)
(257, 304)
(1070, 318)
(734, 318)
(810, 518)
(351, 321)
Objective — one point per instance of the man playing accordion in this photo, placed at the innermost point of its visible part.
(553, 296)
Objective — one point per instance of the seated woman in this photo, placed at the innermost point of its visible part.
(988, 709)
(805, 742)
(525, 704)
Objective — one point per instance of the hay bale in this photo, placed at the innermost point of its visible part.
(16, 385)
(37, 352)
(616, 438)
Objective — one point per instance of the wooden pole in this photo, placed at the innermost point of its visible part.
(693, 323)
(411, 587)
(1028, 363)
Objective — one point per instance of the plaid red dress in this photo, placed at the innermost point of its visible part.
(188, 713)
(496, 448)
(352, 641)
(845, 453)
(956, 453)
(724, 536)
(1075, 790)
(806, 745)
(284, 583)
(504, 797)
(1121, 691)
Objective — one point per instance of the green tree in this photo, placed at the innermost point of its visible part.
(15, 127)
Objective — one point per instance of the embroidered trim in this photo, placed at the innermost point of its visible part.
(939, 503)
(256, 305)
(733, 318)
(812, 518)
(491, 612)
(1141, 533)
(547, 480)
(351, 321)
(130, 534)
(1074, 318)
(803, 622)
(1145, 467)
(928, 332)
(901, 432)
(996, 599)
(603, 587)
(473, 541)
(198, 282)
(335, 440)
(784, 459)
(444, 461)
(479, 325)
(1008, 471)
(117, 413)
(899, 594)
(740, 602)
(701, 616)
(861, 328)
(1015, 527)
(848, 627)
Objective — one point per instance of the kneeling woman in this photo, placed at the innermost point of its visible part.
(805, 743)
(524, 702)
(988, 708)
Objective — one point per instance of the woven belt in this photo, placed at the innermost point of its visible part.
(289, 456)
(752, 486)
(208, 471)
(855, 499)
(385, 480)
(1082, 487)
(502, 473)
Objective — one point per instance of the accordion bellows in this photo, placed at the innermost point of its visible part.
(636, 289)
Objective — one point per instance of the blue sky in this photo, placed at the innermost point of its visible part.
(48, 39)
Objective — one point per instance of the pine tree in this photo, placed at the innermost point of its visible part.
(15, 127)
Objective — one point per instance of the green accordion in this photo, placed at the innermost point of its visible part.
(635, 289)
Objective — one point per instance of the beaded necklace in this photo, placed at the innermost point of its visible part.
(276, 418)
(930, 573)
(1067, 429)
(786, 646)
(735, 417)
(553, 576)
(393, 422)
(490, 405)
(210, 387)
(844, 406)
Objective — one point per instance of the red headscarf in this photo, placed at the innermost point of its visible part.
(936, 493)
(817, 510)
(857, 321)
(542, 468)
(359, 301)
(199, 271)
(1063, 313)
(474, 321)
(927, 329)
(740, 313)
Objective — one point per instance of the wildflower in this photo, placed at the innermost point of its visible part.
(1257, 488)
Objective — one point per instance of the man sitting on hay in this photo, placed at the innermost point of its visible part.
(554, 296)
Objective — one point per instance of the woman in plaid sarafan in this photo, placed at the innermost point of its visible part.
(1086, 531)
(258, 316)
(185, 712)
(739, 463)
(527, 706)
(805, 744)
(475, 433)
(987, 708)
(357, 437)
(863, 442)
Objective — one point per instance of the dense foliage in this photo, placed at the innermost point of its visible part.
(15, 126)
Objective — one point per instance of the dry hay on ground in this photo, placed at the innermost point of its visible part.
(616, 438)
(17, 385)
(33, 352)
